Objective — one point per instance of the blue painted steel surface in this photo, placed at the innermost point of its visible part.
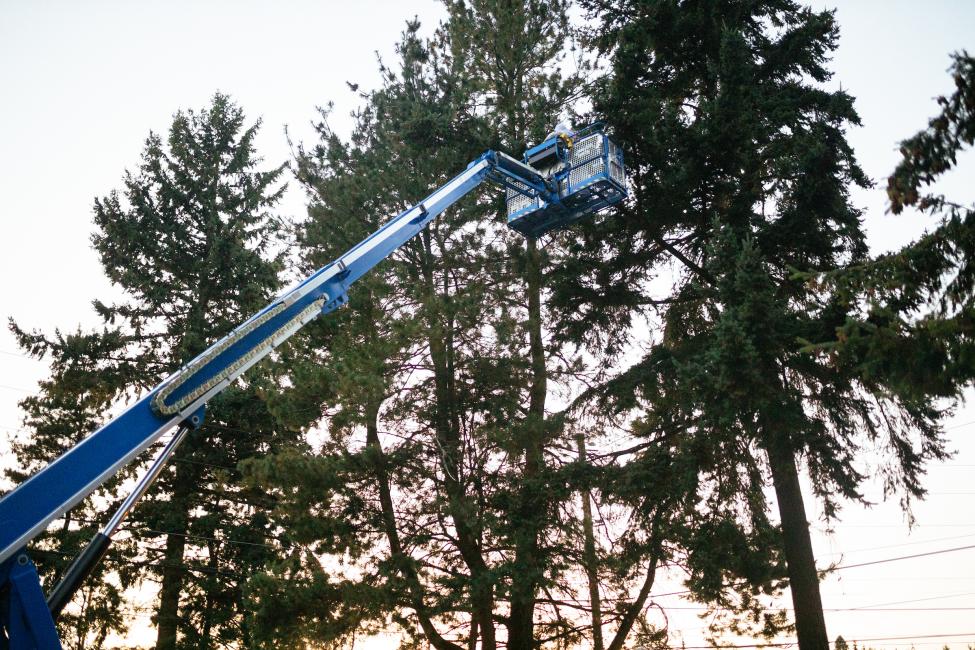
(550, 152)
(241, 348)
(26, 624)
(540, 147)
(26, 510)
(592, 179)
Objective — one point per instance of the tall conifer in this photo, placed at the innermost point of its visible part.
(193, 245)
(912, 317)
(741, 174)
(446, 481)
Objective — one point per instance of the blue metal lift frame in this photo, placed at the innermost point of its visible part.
(25, 621)
(569, 201)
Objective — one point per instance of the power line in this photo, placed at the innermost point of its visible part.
(905, 557)
(786, 644)
(924, 578)
(201, 463)
(915, 636)
(206, 424)
(162, 565)
(861, 564)
(927, 541)
(204, 537)
(834, 609)
(16, 388)
(906, 602)
(139, 532)
(967, 525)
(20, 355)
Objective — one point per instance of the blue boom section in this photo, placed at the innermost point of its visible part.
(31, 506)
(24, 620)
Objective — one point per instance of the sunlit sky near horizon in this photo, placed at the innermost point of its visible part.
(83, 83)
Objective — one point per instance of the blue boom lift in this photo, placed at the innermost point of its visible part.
(559, 181)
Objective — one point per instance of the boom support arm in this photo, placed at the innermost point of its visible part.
(588, 179)
(182, 397)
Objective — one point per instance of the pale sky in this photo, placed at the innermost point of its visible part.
(83, 83)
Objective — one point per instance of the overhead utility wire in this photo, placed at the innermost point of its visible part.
(858, 564)
(905, 557)
(786, 644)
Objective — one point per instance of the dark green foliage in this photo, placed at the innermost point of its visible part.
(740, 176)
(912, 319)
(511, 52)
(367, 368)
(193, 245)
(70, 404)
(190, 239)
(932, 152)
(439, 496)
(442, 498)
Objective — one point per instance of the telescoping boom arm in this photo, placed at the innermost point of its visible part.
(180, 400)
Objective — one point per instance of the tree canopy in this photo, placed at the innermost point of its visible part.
(502, 442)
(194, 246)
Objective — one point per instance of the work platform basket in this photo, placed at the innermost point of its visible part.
(590, 177)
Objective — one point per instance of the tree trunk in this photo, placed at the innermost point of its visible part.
(173, 570)
(404, 561)
(458, 504)
(589, 557)
(801, 564)
(524, 581)
(447, 430)
(632, 611)
(213, 565)
(187, 479)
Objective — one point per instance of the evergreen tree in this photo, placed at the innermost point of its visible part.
(442, 498)
(740, 175)
(513, 50)
(193, 245)
(386, 373)
(518, 51)
(70, 403)
(911, 310)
